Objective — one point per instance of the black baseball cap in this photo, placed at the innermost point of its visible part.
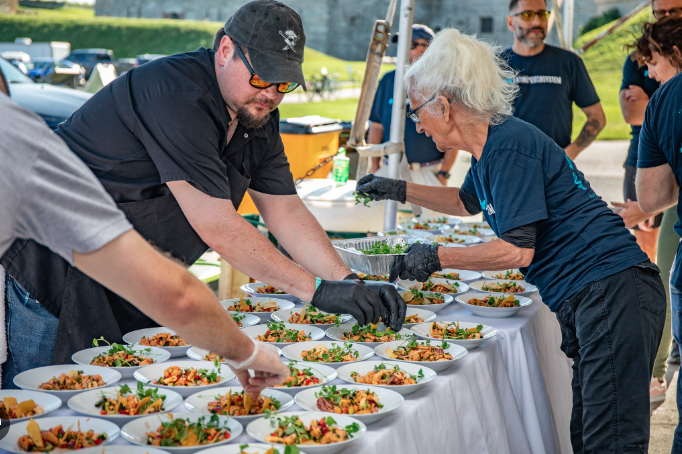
(273, 35)
(419, 31)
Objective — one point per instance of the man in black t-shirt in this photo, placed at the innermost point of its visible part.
(550, 80)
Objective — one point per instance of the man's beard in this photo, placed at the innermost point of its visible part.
(250, 121)
(523, 36)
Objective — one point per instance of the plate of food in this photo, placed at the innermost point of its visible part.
(449, 220)
(252, 448)
(404, 378)
(436, 285)
(305, 376)
(67, 380)
(368, 404)
(501, 286)
(280, 333)
(507, 275)
(413, 316)
(258, 289)
(125, 359)
(316, 432)
(474, 231)
(422, 228)
(185, 377)
(447, 239)
(438, 355)
(430, 300)
(200, 354)
(58, 434)
(494, 305)
(372, 277)
(474, 225)
(366, 335)
(19, 405)
(332, 354)
(232, 401)
(161, 337)
(181, 432)
(466, 334)
(309, 315)
(453, 274)
(122, 449)
(244, 320)
(259, 306)
(125, 402)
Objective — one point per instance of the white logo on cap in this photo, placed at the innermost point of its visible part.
(290, 39)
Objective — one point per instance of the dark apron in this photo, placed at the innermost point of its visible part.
(87, 310)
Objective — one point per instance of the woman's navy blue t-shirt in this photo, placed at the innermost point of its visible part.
(524, 177)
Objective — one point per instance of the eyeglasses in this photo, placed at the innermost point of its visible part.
(415, 44)
(529, 15)
(661, 13)
(256, 82)
(412, 114)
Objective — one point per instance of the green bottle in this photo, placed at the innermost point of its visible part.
(341, 167)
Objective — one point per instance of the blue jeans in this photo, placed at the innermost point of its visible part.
(676, 310)
(31, 333)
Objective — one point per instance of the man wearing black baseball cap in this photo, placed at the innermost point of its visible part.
(177, 143)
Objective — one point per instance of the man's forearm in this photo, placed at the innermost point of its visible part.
(657, 189)
(492, 256)
(441, 199)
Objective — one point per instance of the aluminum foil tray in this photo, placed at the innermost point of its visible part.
(371, 264)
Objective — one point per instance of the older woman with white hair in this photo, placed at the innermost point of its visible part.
(607, 295)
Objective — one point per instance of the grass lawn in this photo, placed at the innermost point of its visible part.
(342, 109)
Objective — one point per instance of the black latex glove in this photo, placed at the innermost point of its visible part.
(394, 308)
(419, 263)
(348, 297)
(380, 188)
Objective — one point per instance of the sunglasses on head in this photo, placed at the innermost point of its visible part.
(661, 13)
(529, 15)
(256, 82)
(415, 44)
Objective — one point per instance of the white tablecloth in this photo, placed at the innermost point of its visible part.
(510, 395)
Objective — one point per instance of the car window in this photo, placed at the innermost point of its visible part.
(12, 74)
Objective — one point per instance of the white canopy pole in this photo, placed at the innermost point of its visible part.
(568, 14)
(397, 135)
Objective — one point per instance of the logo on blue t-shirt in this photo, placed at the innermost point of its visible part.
(489, 208)
(578, 182)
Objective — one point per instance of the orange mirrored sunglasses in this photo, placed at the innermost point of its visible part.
(256, 82)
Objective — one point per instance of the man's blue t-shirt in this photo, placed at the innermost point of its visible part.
(550, 82)
(418, 147)
(633, 74)
(524, 177)
(660, 142)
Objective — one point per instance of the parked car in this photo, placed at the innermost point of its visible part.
(146, 58)
(88, 58)
(21, 60)
(123, 65)
(53, 104)
(64, 72)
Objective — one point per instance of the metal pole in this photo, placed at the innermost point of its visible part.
(398, 112)
(568, 22)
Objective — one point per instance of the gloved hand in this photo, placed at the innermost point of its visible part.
(420, 262)
(380, 188)
(394, 308)
(348, 297)
(267, 365)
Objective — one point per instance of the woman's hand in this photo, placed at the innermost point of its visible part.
(631, 213)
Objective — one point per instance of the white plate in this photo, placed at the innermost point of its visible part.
(449, 220)
(264, 317)
(283, 316)
(251, 289)
(492, 312)
(49, 402)
(464, 275)
(527, 288)
(321, 371)
(423, 331)
(461, 286)
(421, 313)
(368, 366)
(335, 332)
(84, 403)
(251, 448)
(18, 430)
(488, 239)
(314, 332)
(198, 402)
(491, 274)
(475, 224)
(122, 449)
(249, 319)
(432, 228)
(84, 357)
(481, 231)
(134, 431)
(32, 379)
(134, 337)
(431, 307)
(148, 375)
(261, 428)
(468, 239)
(390, 400)
(419, 233)
(293, 351)
(457, 351)
(198, 354)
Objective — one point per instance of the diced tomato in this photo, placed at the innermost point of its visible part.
(103, 412)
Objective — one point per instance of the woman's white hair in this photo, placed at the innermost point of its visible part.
(466, 71)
